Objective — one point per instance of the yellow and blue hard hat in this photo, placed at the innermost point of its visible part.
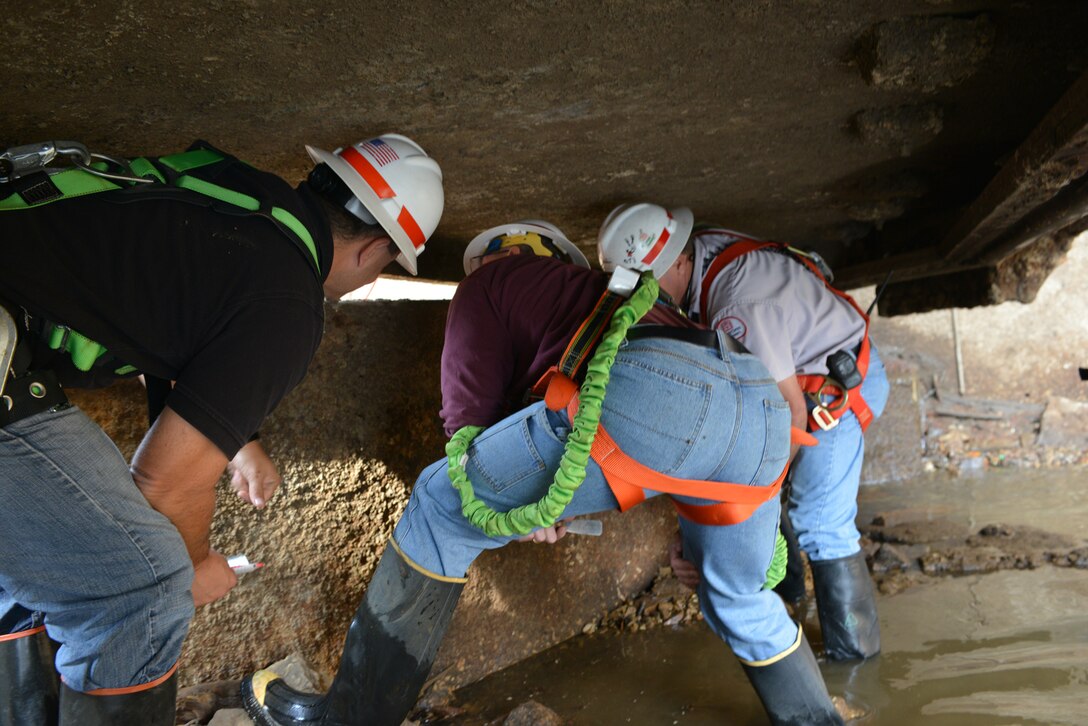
(541, 238)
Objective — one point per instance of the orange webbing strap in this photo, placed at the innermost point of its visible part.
(724, 257)
(134, 689)
(22, 634)
(851, 400)
(812, 383)
(628, 479)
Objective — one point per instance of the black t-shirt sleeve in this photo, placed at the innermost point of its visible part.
(262, 352)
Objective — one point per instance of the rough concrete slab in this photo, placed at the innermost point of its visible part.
(560, 110)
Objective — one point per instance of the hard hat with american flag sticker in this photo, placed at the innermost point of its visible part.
(395, 184)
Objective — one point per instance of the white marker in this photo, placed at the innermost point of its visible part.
(241, 564)
(591, 527)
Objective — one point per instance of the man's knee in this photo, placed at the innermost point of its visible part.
(139, 639)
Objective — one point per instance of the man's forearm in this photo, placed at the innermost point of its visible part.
(176, 469)
(188, 507)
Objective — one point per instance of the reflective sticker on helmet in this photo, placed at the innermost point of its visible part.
(656, 249)
(411, 227)
(367, 171)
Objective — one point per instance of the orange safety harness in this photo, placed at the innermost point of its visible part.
(626, 477)
(824, 415)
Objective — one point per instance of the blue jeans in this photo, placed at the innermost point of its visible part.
(681, 409)
(80, 545)
(824, 493)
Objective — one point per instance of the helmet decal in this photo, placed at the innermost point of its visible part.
(382, 152)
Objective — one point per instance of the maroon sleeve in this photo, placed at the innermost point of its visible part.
(477, 357)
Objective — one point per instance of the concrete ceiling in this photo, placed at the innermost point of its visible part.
(867, 129)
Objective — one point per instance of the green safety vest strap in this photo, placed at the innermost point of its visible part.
(252, 204)
(186, 160)
(143, 167)
(83, 351)
(71, 183)
(78, 183)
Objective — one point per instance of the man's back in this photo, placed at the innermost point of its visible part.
(177, 290)
(781, 311)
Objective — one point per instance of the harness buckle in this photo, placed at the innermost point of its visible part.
(824, 418)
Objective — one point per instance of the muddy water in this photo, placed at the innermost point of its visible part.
(1009, 647)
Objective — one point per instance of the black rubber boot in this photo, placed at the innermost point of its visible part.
(154, 706)
(390, 647)
(847, 607)
(792, 587)
(28, 680)
(793, 691)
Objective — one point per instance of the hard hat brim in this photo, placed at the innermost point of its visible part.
(362, 191)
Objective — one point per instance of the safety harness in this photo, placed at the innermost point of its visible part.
(25, 182)
(830, 397)
(626, 477)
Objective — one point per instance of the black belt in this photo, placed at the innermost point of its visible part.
(696, 336)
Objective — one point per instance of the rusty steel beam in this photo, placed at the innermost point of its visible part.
(1053, 155)
(906, 266)
(1036, 192)
(1070, 205)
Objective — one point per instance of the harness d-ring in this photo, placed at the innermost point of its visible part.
(823, 414)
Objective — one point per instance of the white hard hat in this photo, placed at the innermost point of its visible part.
(639, 237)
(396, 184)
(551, 236)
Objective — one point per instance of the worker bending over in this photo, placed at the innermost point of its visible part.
(193, 268)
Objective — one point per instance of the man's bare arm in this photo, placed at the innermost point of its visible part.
(176, 468)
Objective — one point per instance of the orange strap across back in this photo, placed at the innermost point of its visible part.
(809, 383)
(628, 478)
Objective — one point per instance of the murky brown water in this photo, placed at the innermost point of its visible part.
(1009, 647)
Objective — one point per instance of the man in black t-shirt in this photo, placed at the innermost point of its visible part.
(193, 268)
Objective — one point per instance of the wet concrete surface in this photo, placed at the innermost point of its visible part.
(1005, 646)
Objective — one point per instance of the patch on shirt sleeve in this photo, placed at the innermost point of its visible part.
(734, 327)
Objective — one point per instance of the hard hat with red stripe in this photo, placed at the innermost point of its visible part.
(395, 185)
(640, 237)
(543, 238)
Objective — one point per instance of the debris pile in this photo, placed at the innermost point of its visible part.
(665, 603)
